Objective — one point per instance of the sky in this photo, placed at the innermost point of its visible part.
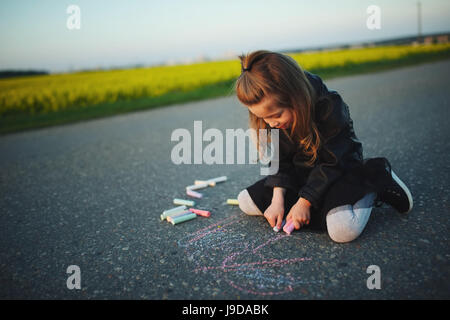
(119, 33)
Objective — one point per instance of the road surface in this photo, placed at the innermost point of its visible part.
(90, 194)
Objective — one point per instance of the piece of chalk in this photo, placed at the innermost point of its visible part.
(183, 218)
(188, 203)
(202, 213)
(173, 210)
(194, 194)
(289, 227)
(218, 179)
(175, 214)
(233, 201)
(197, 186)
(282, 224)
(169, 218)
(210, 183)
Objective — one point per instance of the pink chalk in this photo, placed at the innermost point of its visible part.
(202, 213)
(289, 227)
(193, 193)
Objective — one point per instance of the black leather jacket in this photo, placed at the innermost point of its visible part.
(340, 151)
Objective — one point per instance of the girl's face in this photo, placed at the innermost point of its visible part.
(274, 116)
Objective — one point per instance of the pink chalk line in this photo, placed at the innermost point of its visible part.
(279, 237)
(231, 256)
(265, 264)
(249, 265)
(200, 233)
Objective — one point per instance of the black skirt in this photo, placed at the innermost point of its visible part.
(373, 175)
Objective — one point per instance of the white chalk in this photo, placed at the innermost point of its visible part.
(282, 225)
(218, 179)
(169, 215)
(211, 182)
(197, 186)
(166, 213)
(179, 214)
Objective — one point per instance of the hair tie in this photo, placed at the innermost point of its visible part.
(254, 60)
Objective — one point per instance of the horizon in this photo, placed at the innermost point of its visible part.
(116, 35)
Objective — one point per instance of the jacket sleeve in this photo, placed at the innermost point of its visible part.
(339, 145)
(283, 178)
(286, 170)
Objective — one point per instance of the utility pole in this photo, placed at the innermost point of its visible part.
(419, 21)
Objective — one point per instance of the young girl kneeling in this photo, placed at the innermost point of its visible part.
(323, 182)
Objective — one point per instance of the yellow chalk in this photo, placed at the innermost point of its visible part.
(200, 182)
(233, 201)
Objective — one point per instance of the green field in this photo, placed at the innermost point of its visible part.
(38, 101)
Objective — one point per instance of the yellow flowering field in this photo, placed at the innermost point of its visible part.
(54, 92)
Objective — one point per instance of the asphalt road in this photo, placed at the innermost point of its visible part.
(90, 194)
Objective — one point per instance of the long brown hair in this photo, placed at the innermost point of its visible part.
(280, 77)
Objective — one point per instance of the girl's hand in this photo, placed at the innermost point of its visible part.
(299, 213)
(274, 214)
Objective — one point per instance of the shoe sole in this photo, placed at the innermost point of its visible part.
(405, 189)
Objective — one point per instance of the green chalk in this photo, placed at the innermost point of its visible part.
(184, 202)
(233, 201)
(183, 218)
(167, 213)
(177, 214)
(174, 214)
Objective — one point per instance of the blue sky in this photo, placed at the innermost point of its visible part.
(118, 33)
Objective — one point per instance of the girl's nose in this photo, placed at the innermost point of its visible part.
(273, 124)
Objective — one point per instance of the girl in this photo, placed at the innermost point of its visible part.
(323, 182)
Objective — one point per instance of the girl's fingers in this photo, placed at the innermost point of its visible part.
(300, 223)
(271, 221)
(268, 218)
(279, 222)
(288, 218)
